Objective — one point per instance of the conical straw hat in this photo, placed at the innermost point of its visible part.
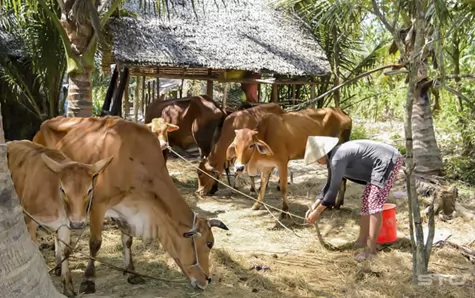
(317, 147)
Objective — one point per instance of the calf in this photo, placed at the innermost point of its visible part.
(161, 128)
(56, 191)
(281, 138)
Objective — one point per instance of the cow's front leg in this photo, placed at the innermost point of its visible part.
(253, 185)
(265, 174)
(88, 286)
(283, 189)
(127, 252)
(63, 251)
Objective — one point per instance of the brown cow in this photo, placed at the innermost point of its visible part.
(223, 136)
(136, 191)
(160, 128)
(197, 117)
(55, 191)
(281, 138)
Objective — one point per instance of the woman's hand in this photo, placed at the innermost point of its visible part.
(314, 212)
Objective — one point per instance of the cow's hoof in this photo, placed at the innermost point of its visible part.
(57, 271)
(284, 215)
(278, 187)
(87, 287)
(256, 206)
(70, 294)
(135, 280)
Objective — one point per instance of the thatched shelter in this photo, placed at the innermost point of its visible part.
(238, 35)
(235, 41)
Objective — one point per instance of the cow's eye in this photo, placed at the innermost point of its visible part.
(210, 244)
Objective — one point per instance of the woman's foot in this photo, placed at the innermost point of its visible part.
(362, 256)
(359, 243)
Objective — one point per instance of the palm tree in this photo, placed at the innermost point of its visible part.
(33, 80)
(79, 24)
(24, 272)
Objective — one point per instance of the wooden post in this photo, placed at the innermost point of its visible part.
(209, 86)
(181, 88)
(142, 103)
(148, 92)
(293, 94)
(153, 92)
(312, 91)
(125, 99)
(158, 88)
(259, 93)
(275, 93)
(225, 96)
(136, 99)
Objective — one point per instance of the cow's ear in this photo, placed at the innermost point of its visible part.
(231, 152)
(263, 148)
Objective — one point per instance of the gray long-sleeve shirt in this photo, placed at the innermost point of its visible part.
(361, 161)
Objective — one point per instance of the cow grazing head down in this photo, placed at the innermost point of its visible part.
(193, 258)
(77, 182)
(206, 184)
(161, 128)
(245, 146)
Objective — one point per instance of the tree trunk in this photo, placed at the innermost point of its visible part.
(420, 258)
(80, 94)
(427, 157)
(23, 272)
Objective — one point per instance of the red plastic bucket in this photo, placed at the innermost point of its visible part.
(388, 231)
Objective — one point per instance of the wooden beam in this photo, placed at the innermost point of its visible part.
(217, 79)
(209, 86)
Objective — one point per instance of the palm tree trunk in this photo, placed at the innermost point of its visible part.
(427, 157)
(80, 94)
(23, 271)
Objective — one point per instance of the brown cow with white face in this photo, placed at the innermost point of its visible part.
(55, 191)
(136, 191)
(281, 138)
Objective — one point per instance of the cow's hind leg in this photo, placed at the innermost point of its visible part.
(283, 187)
(88, 286)
(127, 252)
(340, 200)
(64, 239)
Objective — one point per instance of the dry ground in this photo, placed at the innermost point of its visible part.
(298, 265)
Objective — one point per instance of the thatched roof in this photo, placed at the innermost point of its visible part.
(243, 35)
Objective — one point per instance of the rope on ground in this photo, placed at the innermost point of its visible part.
(267, 206)
(99, 260)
